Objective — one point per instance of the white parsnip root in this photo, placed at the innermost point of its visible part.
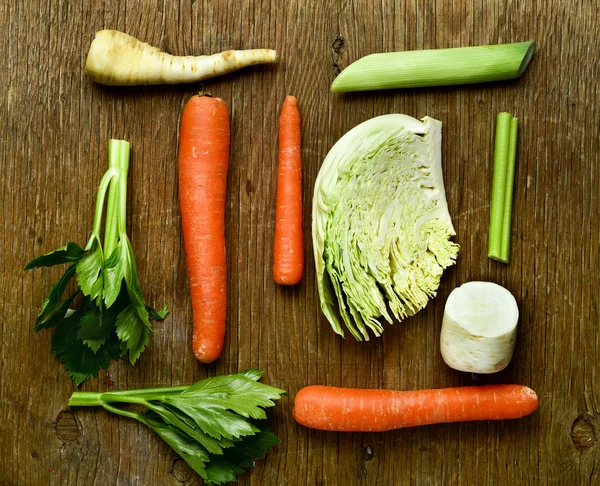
(117, 59)
(479, 328)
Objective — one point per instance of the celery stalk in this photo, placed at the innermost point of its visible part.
(502, 187)
(508, 195)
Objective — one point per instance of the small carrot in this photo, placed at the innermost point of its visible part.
(288, 249)
(356, 410)
(203, 161)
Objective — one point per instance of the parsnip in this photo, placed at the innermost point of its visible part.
(117, 59)
(479, 328)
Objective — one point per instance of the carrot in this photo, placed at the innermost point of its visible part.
(203, 161)
(356, 410)
(288, 249)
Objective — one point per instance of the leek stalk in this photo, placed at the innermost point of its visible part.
(436, 67)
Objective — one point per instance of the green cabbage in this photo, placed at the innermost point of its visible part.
(381, 228)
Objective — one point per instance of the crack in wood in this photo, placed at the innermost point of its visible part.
(337, 49)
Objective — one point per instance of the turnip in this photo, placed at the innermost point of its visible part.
(117, 59)
(479, 328)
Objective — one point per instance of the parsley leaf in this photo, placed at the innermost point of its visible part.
(118, 267)
(53, 305)
(132, 332)
(89, 271)
(238, 393)
(79, 360)
(157, 315)
(96, 326)
(71, 252)
(185, 446)
(207, 432)
(223, 469)
(183, 422)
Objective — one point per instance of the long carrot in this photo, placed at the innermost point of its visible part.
(288, 249)
(203, 162)
(356, 410)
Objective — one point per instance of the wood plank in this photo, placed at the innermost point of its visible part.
(54, 127)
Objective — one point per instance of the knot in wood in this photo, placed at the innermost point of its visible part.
(67, 427)
(181, 471)
(583, 433)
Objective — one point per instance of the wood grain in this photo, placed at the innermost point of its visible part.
(54, 128)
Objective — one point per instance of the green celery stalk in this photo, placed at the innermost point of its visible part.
(508, 195)
(436, 67)
(502, 187)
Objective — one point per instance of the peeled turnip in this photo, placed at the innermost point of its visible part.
(479, 328)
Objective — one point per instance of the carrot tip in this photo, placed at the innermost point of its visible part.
(283, 280)
(289, 99)
(203, 357)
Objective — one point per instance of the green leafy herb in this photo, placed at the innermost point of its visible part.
(214, 425)
(112, 319)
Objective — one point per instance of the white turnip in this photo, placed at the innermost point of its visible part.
(479, 328)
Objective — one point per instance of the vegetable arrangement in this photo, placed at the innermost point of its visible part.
(203, 162)
(381, 234)
(357, 410)
(288, 248)
(112, 319)
(214, 425)
(436, 67)
(381, 228)
(117, 59)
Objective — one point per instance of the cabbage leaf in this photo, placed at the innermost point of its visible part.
(380, 224)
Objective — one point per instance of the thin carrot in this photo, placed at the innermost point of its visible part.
(203, 162)
(288, 249)
(356, 410)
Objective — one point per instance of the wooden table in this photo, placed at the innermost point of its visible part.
(54, 128)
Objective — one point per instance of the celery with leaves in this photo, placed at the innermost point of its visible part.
(112, 319)
(214, 425)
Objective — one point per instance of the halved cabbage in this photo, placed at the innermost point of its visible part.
(380, 224)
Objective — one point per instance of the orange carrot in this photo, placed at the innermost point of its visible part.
(203, 162)
(288, 249)
(356, 410)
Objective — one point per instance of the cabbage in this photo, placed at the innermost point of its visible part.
(380, 224)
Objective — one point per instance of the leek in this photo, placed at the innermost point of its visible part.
(436, 67)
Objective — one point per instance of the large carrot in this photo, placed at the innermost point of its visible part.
(203, 162)
(288, 249)
(356, 410)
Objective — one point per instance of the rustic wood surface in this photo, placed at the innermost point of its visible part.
(54, 128)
